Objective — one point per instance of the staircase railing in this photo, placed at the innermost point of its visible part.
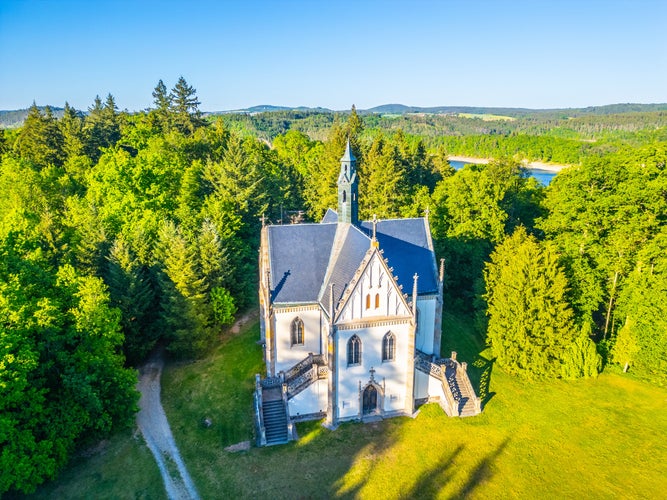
(424, 363)
(307, 377)
(304, 364)
(462, 372)
(291, 435)
(259, 415)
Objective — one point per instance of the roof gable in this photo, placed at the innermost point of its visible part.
(408, 246)
(373, 292)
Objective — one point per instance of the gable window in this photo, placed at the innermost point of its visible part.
(368, 301)
(297, 331)
(389, 347)
(377, 300)
(354, 351)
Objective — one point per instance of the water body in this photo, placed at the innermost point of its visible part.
(543, 176)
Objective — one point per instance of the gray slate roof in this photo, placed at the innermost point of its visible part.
(306, 258)
(299, 255)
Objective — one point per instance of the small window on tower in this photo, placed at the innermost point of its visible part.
(344, 196)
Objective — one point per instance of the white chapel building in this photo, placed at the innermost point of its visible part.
(350, 316)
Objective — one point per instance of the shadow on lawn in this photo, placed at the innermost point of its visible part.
(480, 377)
(482, 472)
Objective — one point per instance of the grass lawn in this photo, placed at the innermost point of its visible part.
(121, 467)
(598, 438)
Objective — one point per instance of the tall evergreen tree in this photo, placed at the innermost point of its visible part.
(40, 140)
(530, 323)
(162, 105)
(131, 292)
(185, 107)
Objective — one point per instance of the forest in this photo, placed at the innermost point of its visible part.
(120, 232)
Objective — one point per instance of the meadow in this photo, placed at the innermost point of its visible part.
(594, 438)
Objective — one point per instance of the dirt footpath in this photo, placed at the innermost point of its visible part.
(154, 426)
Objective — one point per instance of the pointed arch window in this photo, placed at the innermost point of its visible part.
(344, 196)
(389, 347)
(354, 351)
(297, 331)
(377, 301)
(368, 301)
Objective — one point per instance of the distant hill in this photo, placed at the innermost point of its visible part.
(15, 118)
(268, 108)
(400, 109)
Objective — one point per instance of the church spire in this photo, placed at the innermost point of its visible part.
(348, 203)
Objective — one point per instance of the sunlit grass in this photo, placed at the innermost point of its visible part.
(121, 467)
(595, 438)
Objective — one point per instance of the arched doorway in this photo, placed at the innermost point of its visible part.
(370, 400)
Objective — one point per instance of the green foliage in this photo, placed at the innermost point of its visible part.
(132, 293)
(223, 306)
(62, 381)
(641, 342)
(600, 215)
(40, 140)
(472, 210)
(183, 104)
(531, 326)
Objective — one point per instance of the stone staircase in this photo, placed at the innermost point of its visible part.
(462, 391)
(461, 400)
(272, 420)
(274, 416)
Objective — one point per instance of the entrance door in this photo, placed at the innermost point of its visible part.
(370, 400)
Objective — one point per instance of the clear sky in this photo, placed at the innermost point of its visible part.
(533, 53)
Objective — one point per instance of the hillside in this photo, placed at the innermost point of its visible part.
(15, 118)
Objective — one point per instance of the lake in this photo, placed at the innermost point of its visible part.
(543, 176)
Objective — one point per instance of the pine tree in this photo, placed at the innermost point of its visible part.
(185, 108)
(530, 323)
(131, 292)
(40, 140)
(162, 103)
(185, 310)
(102, 126)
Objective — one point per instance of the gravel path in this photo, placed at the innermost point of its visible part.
(153, 424)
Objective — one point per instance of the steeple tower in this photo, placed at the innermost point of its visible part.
(348, 203)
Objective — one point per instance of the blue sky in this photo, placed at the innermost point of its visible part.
(535, 54)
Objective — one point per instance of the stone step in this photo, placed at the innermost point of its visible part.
(275, 421)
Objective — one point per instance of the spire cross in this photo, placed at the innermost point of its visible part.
(375, 225)
(372, 372)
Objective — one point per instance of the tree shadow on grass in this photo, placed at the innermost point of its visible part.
(480, 377)
(430, 482)
(481, 473)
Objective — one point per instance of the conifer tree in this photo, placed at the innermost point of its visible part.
(131, 292)
(162, 103)
(530, 323)
(185, 107)
(185, 310)
(40, 140)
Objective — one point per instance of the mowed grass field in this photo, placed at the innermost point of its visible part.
(597, 438)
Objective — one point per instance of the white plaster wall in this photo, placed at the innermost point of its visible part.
(427, 386)
(421, 384)
(394, 373)
(426, 325)
(313, 399)
(375, 282)
(286, 354)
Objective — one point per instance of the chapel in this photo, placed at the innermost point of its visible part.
(350, 321)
